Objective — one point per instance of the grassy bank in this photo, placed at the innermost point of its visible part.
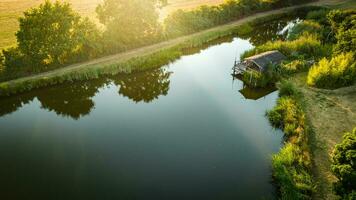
(302, 169)
(292, 165)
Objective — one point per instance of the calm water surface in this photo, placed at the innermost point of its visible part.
(185, 131)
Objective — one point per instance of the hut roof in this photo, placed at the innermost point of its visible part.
(264, 59)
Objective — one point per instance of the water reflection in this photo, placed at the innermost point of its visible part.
(273, 30)
(75, 100)
(145, 86)
(69, 100)
(256, 93)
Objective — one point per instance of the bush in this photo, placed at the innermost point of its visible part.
(344, 166)
(307, 46)
(257, 79)
(13, 59)
(294, 66)
(343, 24)
(340, 71)
(287, 88)
(302, 27)
(319, 16)
(290, 114)
(295, 182)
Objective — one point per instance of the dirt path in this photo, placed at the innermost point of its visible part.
(121, 57)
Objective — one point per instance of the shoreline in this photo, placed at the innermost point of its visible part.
(115, 62)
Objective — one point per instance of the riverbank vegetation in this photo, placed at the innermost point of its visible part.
(292, 165)
(327, 43)
(185, 22)
(332, 50)
(68, 38)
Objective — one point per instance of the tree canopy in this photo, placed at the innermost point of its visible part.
(128, 22)
(52, 33)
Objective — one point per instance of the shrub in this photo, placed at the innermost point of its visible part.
(294, 66)
(288, 110)
(13, 59)
(257, 79)
(344, 166)
(302, 27)
(340, 71)
(343, 24)
(319, 16)
(287, 88)
(295, 182)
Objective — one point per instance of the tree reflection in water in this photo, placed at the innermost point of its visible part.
(145, 86)
(70, 100)
(75, 100)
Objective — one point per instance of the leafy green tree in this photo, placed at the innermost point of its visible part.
(344, 166)
(52, 33)
(129, 23)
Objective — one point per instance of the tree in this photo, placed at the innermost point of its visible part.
(52, 33)
(129, 23)
(344, 166)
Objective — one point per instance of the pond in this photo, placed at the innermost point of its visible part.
(183, 131)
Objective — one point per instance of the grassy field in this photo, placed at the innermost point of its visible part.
(10, 10)
(331, 113)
